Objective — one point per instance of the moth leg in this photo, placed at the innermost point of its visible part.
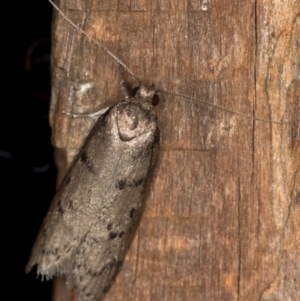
(124, 90)
(95, 115)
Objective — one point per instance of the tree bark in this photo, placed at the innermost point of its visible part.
(222, 218)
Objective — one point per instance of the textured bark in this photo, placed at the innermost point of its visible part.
(222, 219)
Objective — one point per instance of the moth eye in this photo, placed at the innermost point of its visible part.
(133, 92)
(155, 100)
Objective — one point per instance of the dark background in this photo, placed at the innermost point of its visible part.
(27, 171)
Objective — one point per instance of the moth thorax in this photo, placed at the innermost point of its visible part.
(133, 119)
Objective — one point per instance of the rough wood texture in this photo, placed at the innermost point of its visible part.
(222, 220)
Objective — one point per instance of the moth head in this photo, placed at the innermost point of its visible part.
(146, 94)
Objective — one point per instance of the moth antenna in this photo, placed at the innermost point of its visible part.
(95, 41)
(91, 115)
(219, 107)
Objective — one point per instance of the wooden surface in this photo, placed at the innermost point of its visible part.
(222, 219)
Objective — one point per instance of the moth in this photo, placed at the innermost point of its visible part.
(94, 215)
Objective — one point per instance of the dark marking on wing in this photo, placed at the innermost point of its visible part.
(121, 184)
(84, 158)
(129, 183)
(131, 212)
(136, 183)
(109, 226)
(112, 235)
(121, 234)
(59, 207)
(60, 210)
(70, 205)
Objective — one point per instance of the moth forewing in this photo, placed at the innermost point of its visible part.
(97, 209)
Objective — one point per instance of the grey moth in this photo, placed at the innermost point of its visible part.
(93, 217)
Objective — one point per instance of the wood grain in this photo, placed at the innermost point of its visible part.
(222, 219)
